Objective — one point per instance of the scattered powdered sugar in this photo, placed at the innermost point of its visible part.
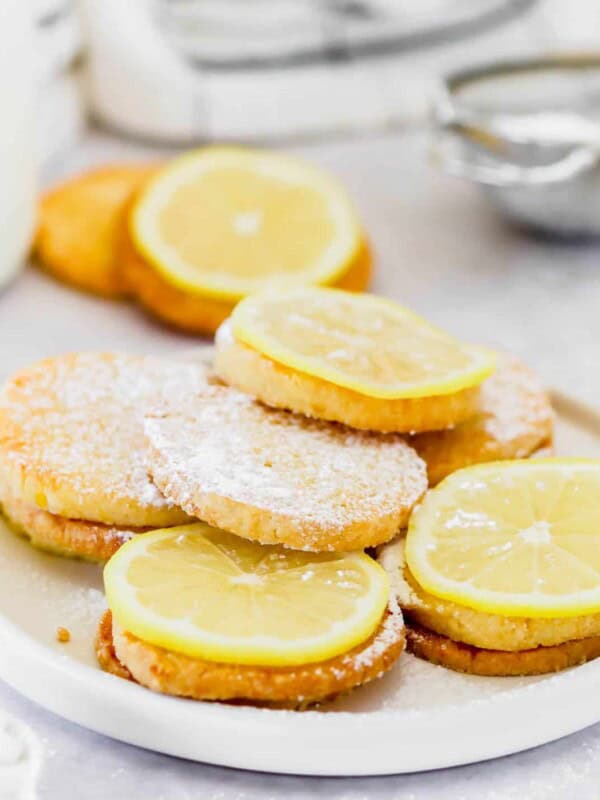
(391, 557)
(149, 495)
(119, 535)
(83, 604)
(77, 420)
(514, 404)
(224, 444)
(391, 629)
(417, 685)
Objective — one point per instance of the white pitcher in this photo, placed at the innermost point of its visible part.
(17, 140)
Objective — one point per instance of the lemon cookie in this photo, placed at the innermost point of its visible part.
(514, 419)
(462, 657)
(276, 477)
(228, 221)
(465, 640)
(320, 624)
(71, 443)
(91, 541)
(195, 312)
(459, 623)
(284, 687)
(77, 239)
(356, 359)
(498, 574)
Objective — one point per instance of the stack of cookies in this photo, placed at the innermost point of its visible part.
(189, 238)
(73, 473)
(313, 437)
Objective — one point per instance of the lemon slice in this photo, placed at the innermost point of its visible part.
(209, 594)
(517, 538)
(226, 222)
(362, 342)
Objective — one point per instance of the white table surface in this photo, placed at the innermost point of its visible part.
(439, 249)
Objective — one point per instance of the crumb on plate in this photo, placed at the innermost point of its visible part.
(63, 635)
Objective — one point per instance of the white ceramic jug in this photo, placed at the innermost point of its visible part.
(17, 141)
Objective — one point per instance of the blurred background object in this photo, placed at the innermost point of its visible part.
(185, 71)
(522, 126)
(17, 143)
(61, 100)
(528, 132)
(273, 69)
(43, 110)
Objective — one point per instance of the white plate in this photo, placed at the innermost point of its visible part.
(418, 717)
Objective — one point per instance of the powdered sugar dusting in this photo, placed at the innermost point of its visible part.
(514, 419)
(317, 474)
(514, 404)
(77, 421)
(391, 629)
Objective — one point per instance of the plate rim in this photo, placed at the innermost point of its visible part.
(554, 707)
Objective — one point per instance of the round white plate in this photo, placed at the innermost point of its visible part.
(418, 717)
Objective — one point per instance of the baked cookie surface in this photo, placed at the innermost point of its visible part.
(79, 228)
(71, 436)
(76, 538)
(462, 657)
(278, 478)
(514, 419)
(277, 385)
(172, 673)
